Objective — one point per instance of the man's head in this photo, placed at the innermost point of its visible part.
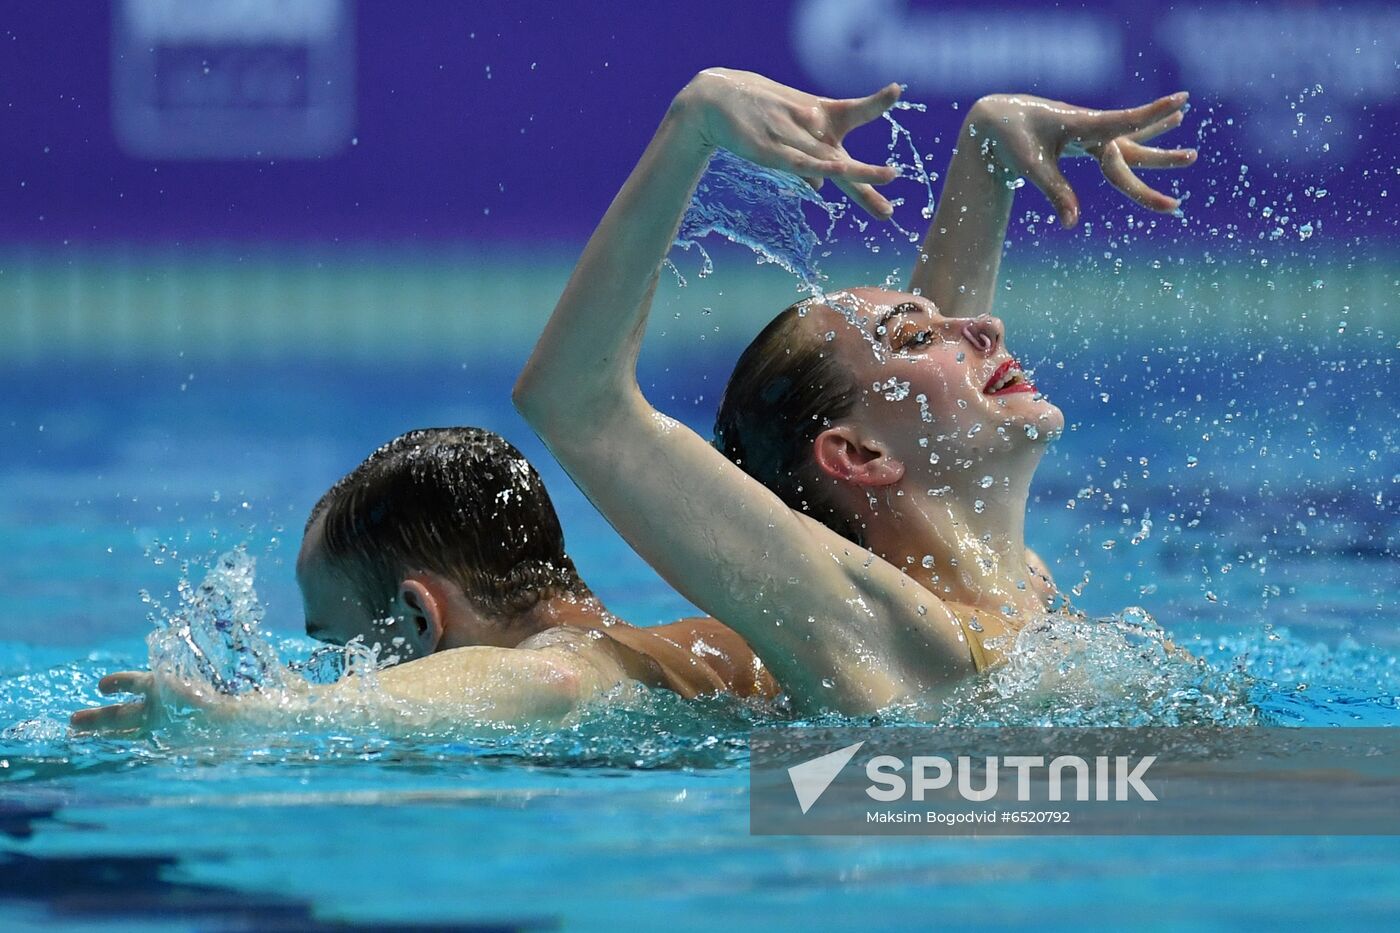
(443, 537)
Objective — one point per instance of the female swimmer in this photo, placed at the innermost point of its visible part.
(861, 523)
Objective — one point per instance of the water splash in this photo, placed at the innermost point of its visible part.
(1067, 670)
(913, 166)
(213, 638)
(761, 209)
(1120, 671)
(1301, 683)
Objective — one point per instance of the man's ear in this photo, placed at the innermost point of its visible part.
(423, 604)
(843, 454)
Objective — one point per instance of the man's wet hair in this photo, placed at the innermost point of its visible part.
(786, 388)
(461, 502)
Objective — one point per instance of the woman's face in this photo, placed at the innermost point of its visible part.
(936, 391)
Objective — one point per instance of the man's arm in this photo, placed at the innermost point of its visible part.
(544, 680)
(806, 599)
(1006, 136)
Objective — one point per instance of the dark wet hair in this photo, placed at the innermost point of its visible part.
(460, 502)
(785, 390)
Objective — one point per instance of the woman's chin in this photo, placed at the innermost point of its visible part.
(1037, 418)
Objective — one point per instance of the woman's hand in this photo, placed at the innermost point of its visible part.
(1023, 135)
(782, 128)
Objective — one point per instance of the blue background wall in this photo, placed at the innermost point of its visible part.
(329, 120)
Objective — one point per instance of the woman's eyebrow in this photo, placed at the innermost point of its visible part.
(905, 307)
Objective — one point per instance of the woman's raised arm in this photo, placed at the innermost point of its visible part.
(1010, 135)
(585, 362)
(803, 596)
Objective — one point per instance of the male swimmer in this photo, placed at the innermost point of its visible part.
(444, 548)
(861, 523)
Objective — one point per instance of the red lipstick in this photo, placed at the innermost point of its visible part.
(1008, 379)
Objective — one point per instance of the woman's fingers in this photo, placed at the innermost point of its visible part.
(848, 114)
(866, 173)
(120, 717)
(1140, 156)
(799, 163)
(813, 151)
(1045, 174)
(854, 178)
(867, 197)
(1170, 122)
(858, 181)
(811, 158)
(1110, 124)
(804, 140)
(1116, 170)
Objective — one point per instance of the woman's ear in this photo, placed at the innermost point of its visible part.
(842, 454)
(423, 606)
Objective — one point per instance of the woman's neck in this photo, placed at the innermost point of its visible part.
(963, 537)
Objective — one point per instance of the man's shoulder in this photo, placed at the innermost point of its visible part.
(693, 626)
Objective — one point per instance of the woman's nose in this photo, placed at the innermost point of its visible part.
(984, 332)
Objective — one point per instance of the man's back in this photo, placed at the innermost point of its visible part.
(692, 657)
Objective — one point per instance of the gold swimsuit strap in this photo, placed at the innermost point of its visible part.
(974, 645)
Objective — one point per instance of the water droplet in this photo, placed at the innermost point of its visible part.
(893, 389)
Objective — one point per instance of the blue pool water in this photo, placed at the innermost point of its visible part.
(1235, 477)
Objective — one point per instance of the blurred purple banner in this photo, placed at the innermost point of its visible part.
(329, 120)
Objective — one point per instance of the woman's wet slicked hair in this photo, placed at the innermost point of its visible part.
(785, 390)
(460, 502)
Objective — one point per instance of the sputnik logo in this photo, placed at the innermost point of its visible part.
(811, 778)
